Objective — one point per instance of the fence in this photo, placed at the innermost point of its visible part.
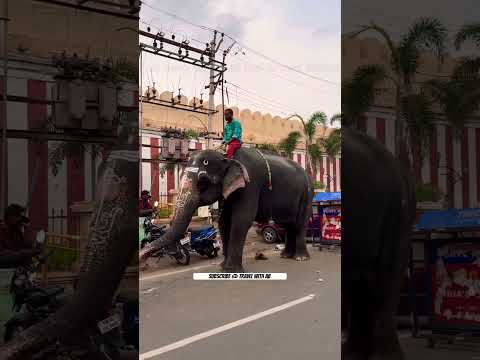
(63, 241)
(64, 251)
(61, 221)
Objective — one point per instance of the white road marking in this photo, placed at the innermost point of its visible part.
(206, 334)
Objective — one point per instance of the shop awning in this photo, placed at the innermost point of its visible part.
(449, 219)
(327, 196)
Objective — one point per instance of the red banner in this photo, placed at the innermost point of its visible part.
(456, 285)
(331, 222)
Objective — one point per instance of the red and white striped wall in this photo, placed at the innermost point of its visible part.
(28, 173)
(448, 153)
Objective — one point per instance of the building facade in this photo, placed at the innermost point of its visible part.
(36, 32)
(452, 163)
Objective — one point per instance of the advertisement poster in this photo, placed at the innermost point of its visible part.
(331, 223)
(456, 285)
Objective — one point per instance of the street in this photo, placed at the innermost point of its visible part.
(229, 320)
(417, 349)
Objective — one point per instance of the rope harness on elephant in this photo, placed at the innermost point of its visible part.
(268, 170)
(269, 185)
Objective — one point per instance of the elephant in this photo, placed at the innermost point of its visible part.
(246, 193)
(378, 209)
(109, 251)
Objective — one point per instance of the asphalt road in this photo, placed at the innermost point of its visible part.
(417, 349)
(174, 308)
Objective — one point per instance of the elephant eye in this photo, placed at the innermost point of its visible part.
(205, 162)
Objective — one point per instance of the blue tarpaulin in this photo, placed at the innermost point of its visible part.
(449, 219)
(327, 196)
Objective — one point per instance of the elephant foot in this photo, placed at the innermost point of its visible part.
(298, 255)
(302, 257)
(233, 269)
(388, 352)
(349, 354)
(287, 254)
(391, 355)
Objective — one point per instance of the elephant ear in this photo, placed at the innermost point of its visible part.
(235, 178)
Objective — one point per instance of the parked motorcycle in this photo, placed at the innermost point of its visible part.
(32, 304)
(178, 251)
(204, 241)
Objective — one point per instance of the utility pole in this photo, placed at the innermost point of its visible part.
(211, 93)
(3, 172)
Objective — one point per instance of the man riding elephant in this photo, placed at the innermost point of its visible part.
(252, 186)
(232, 134)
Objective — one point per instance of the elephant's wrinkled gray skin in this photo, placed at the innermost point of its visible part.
(241, 185)
(378, 210)
(110, 248)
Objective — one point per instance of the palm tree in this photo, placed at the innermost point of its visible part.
(425, 33)
(336, 118)
(289, 144)
(331, 146)
(459, 99)
(420, 122)
(315, 149)
(468, 32)
(358, 93)
(309, 132)
(268, 148)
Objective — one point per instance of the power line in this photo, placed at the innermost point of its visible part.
(290, 68)
(259, 104)
(177, 17)
(171, 32)
(260, 96)
(281, 64)
(280, 76)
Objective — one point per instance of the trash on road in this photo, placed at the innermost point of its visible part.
(320, 280)
(279, 247)
(260, 256)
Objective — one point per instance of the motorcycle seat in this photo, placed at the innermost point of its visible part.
(39, 297)
(195, 230)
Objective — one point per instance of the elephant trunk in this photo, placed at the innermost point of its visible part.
(187, 202)
(109, 251)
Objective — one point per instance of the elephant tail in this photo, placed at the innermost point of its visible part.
(305, 205)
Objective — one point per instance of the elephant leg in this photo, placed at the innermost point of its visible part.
(244, 210)
(305, 207)
(386, 344)
(301, 252)
(224, 225)
(360, 315)
(359, 334)
(290, 239)
(385, 338)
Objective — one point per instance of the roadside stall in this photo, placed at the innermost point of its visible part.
(451, 241)
(326, 221)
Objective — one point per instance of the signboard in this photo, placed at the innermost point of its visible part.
(449, 219)
(331, 223)
(456, 286)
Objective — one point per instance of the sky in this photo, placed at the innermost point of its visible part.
(303, 34)
(397, 16)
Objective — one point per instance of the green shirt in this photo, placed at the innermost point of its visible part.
(233, 130)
